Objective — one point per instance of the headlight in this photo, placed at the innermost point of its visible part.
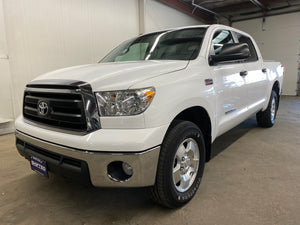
(124, 103)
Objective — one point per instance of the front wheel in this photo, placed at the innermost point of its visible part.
(267, 118)
(180, 166)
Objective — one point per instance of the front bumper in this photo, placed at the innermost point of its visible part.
(89, 165)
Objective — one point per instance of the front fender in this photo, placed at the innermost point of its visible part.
(175, 93)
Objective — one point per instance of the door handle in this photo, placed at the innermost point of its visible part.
(264, 70)
(244, 73)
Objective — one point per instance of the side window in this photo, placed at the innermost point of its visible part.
(220, 38)
(244, 39)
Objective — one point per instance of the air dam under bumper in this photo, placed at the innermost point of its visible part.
(93, 164)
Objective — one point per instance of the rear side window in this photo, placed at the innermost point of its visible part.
(244, 39)
(220, 38)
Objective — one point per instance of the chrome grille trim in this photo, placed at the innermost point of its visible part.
(72, 106)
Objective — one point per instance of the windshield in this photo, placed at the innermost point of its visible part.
(168, 45)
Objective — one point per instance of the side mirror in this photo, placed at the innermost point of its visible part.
(231, 52)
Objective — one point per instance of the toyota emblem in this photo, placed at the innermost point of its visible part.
(43, 108)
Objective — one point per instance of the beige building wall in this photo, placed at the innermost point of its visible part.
(279, 41)
(159, 16)
(6, 107)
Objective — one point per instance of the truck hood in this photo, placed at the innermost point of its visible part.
(114, 76)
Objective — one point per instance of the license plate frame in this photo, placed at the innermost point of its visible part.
(38, 165)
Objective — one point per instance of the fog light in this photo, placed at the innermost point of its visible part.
(127, 169)
(119, 171)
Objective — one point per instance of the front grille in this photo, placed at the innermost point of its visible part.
(62, 105)
(64, 110)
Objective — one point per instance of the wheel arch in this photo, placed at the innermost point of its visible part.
(201, 118)
(276, 88)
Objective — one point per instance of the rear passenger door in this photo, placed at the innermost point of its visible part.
(256, 76)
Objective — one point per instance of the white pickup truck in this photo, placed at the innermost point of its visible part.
(147, 114)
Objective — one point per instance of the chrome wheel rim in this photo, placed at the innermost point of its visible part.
(273, 109)
(185, 164)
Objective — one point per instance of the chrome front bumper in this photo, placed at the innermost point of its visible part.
(144, 163)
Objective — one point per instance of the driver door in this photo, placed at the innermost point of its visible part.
(229, 85)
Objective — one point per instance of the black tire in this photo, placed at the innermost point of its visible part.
(267, 118)
(165, 191)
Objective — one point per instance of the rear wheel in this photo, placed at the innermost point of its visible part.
(267, 118)
(180, 166)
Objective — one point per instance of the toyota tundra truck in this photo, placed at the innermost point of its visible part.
(146, 115)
